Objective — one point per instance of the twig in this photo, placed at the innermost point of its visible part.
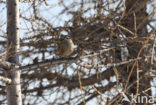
(83, 99)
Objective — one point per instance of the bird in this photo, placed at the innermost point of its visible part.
(66, 47)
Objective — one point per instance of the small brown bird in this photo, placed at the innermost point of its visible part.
(66, 47)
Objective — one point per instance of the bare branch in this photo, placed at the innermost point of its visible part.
(5, 65)
(6, 80)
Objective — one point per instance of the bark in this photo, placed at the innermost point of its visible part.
(13, 89)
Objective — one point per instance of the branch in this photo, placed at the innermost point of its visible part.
(59, 61)
(5, 65)
(72, 83)
(129, 86)
(109, 64)
(47, 62)
(6, 80)
(101, 89)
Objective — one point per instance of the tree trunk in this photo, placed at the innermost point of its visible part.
(14, 89)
